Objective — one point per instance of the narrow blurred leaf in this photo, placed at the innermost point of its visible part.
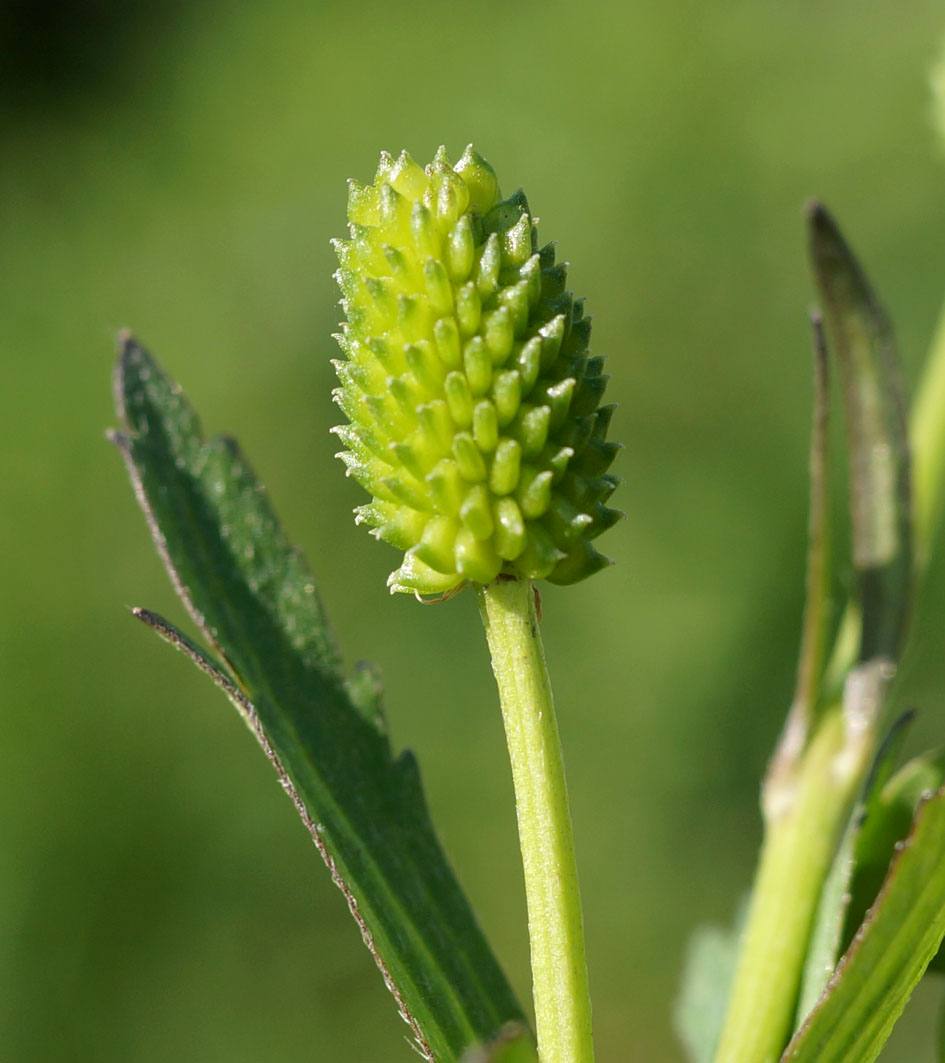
(875, 406)
(814, 627)
(810, 665)
(703, 996)
(254, 600)
(888, 956)
(829, 939)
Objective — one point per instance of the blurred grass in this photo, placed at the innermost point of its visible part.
(158, 898)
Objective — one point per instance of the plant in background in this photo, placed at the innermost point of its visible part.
(476, 427)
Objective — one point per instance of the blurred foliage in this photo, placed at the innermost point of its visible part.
(57, 51)
(182, 175)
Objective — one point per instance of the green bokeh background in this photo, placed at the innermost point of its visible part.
(180, 170)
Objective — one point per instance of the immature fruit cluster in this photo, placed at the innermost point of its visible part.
(474, 409)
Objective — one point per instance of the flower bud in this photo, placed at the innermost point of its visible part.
(474, 407)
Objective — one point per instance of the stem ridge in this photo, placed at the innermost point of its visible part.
(555, 924)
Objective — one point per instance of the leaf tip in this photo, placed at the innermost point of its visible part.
(133, 364)
(815, 211)
(126, 348)
(151, 619)
(824, 233)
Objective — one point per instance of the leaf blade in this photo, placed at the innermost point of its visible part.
(877, 438)
(255, 601)
(888, 956)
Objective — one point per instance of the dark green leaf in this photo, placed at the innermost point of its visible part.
(254, 600)
(887, 822)
(888, 956)
(875, 406)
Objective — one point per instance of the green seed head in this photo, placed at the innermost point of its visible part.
(474, 406)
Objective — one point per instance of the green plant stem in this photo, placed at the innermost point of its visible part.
(555, 928)
(804, 815)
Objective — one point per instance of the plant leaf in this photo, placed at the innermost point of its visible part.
(707, 979)
(824, 947)
(810, 666)
(814, 627)
(888, 956)
(888, 820)
(829, 937)
(877, 437)
(254, 600)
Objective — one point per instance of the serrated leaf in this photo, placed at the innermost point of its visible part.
(707, 978)
(255, 601)
(888, 956)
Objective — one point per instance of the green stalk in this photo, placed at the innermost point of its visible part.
(804, 815)
(555, 927)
